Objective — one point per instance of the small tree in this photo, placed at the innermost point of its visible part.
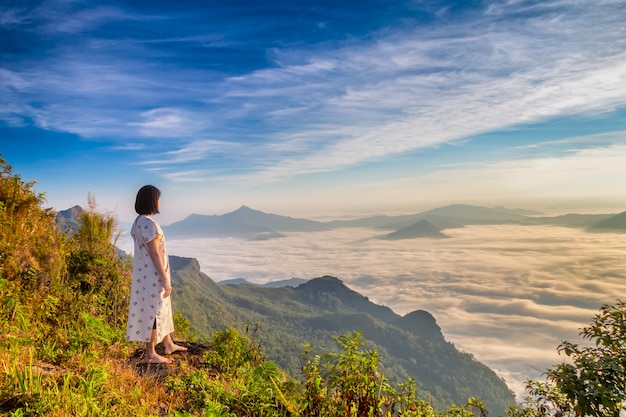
(96, 232)
(350, 384)
(594, 383)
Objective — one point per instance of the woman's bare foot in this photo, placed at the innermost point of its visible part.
(157, 359)
(169, 349)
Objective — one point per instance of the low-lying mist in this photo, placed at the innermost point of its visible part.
(507, 294)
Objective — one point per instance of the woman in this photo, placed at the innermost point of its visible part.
(150, 311)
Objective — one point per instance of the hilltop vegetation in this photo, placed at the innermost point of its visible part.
(63, 303)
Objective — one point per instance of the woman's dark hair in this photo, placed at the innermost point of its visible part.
(147, 201)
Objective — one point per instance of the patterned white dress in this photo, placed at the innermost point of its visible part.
(146, 297)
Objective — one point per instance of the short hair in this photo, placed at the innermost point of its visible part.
(147, 201)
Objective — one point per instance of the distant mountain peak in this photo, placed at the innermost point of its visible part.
(244, 208)
(180, 262)
(235, 281)
(333, 294)
(244, 222)
(420, 229)
(69, 219)
(291, 282)
(420, 322)
(326, 282)
(615, 223)
(470, 212)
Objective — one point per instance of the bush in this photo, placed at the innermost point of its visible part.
(349, 384)
(593, 382)
(240, 383)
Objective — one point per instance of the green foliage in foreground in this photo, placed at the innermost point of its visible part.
(593, 381)
(63, 353)
(349, 383)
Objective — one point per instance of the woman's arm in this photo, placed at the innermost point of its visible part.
(153, 251)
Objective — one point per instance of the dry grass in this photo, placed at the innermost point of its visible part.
(110, 382)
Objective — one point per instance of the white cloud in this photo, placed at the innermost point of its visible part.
(166, 122)
(186, 176)
(129, 147)
(420, 89)
(11, 80)
(196, 150)
(67, 22)
(507, 294)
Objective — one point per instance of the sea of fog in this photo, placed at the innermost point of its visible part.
(508, 294)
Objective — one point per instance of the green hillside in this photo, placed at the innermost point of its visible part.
(323, 308)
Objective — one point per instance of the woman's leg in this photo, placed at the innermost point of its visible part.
(171, 347)
(151, 355)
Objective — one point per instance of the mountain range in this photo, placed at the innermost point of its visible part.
(244, 222)
(68, 219)
(248, 223)
(284, 318)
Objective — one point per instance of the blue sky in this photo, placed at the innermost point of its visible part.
(311, 108)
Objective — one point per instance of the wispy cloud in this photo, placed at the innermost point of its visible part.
(186, 176)
(167, 122)
(262, 98)
(418, 89)
(128, 147)
(415, 87)
(197, 150)
(415, 111)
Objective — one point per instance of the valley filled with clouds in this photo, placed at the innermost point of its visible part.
(508, 294)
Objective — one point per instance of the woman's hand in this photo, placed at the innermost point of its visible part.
(168, 291)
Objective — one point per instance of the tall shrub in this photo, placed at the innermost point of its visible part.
(98, 275)
(31, 250)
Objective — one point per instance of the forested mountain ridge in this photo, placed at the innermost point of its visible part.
(314, 312)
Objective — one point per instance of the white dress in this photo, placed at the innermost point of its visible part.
(146, 297)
